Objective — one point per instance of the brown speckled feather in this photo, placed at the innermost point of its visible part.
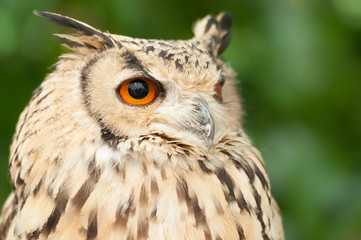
(87, 165)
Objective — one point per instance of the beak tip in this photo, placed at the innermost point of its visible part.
(201, 123)
(210, 137)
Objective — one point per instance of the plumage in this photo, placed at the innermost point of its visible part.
(87, 164)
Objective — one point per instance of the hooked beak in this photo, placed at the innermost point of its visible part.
(201, 122)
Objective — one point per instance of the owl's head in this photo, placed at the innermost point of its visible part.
(132, 87)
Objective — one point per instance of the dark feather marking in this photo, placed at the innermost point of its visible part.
(241, 165)
(163, 173)
(91, 165)
(259, 213)
(140, 141)
(86, 189)
(149, 49)
(184, 146)
(43, 97)
(4, 228)
(199, 214)
(242, 203)
(85, 73)
(70, 43)
(162, 54)
(225, 24)
(240, 232)
(196, 63)
(23, 198)
(165, 137)
(154, 187)
(205, 158)
(18, 164)
(90, 46)
(145, 138)
(178, 65)
(218, 207)
(212, 20)
(72, 23)
(52, 67)
(153, 214)
(132, 62)
(109, 138)
(182, 190)
(144, 168)
(186, 58)
(134, 43)
(92, 231)
(183, 195)
(207, 235)
(119, 45)
(249, 171)
(226, 21)
(195, 47)
(214, 41)
(19, 180)
(170, 56)
(143, 197)
(61, 201)
(261, 177)
(207, 64)
(84, 85)
(33, 235)
(226, 39)
(37, 91)
(123, 212)
(143, 227)
(16, 155)
(224, 178)
(164, 44)
(37, 187)
(203, 167)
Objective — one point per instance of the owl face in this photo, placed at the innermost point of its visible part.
(116, 84)
(133, 87)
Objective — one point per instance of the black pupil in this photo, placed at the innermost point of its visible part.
(138, 89)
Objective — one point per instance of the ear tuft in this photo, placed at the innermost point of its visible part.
(87, 32)
(214, 32)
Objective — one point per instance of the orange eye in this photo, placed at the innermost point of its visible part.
(138, 91)
(218, 89)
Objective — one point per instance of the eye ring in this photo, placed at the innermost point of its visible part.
(138, 91)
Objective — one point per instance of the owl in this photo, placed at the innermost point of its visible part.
(138, 139)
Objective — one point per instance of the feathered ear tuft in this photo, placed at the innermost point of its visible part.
(89, 37)
(214, 32)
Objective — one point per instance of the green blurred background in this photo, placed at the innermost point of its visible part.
(299, 66)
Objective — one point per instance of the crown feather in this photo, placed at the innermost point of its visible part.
(89, 37)
(214, 32)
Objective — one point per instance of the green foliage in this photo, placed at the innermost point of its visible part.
(299, 67)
